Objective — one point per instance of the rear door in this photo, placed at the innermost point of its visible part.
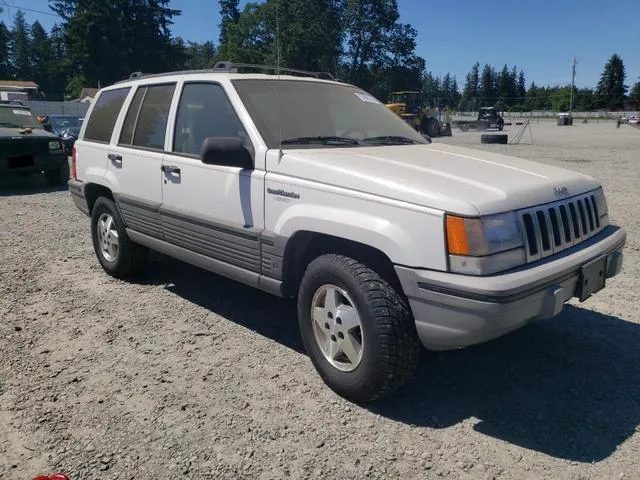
(93, 147)
(136, 158)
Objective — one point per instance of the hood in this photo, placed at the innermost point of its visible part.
(36, 133)
(445, 177)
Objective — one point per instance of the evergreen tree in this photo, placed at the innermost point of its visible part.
(20, 48)
(106, 41)
(522, 86)
(471, 88)
(5, 52)
(635, 95)
(611, 88)
(41, 57)
(230, 15)
(487, 88)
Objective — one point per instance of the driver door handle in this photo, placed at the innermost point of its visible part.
(170, 169)
(115, 158)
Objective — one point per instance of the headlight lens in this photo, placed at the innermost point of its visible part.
(601, 203)
(55, 145)
(483, 236)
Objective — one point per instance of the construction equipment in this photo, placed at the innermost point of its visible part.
(488, 117)
(410, 106)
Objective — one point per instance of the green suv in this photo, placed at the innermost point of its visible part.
(26, 147)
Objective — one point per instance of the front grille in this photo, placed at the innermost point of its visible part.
(553, 227)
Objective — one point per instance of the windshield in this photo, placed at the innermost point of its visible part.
(17, 117)
(66, 123)
(308, 113)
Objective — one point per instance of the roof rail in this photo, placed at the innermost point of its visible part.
(230, 67)
(277, 69)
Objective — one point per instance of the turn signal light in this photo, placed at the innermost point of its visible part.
(457, 236)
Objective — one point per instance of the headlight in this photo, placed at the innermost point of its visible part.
(485, 245)
(55, 145)
(601, 203)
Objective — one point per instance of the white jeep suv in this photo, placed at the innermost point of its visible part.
(311, 189)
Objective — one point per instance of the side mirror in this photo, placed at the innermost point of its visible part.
(228, 151)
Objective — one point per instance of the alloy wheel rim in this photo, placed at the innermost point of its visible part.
(337, 327)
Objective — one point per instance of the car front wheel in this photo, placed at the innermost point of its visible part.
(357, 330)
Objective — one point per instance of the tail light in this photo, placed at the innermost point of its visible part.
(74, 170)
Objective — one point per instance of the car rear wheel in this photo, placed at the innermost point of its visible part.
(118, 255)
(356, 328)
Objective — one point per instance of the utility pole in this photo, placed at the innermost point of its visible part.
(573, 79)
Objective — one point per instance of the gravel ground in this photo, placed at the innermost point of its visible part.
(186, 375)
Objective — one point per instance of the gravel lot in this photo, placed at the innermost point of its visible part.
(187, 375)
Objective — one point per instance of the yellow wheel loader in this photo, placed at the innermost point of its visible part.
(410, 106)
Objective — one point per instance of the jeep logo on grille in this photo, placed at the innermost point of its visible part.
(561, 192)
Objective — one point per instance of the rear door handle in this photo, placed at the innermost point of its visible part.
(115, 158)
(170, 169)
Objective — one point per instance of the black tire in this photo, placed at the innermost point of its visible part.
(494, 138)
(57, 176)
(131, 258)
(389, 338)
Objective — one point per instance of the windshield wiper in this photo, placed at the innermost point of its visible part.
(9, 125)
(321, 140)
(391, 140)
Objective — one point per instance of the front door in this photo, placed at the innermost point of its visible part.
(135, 161)
(213, 210)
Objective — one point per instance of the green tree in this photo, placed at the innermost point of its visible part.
(5, 51)
(522, 86)
(41, 57)
(611, 88)
(310, 33)
(20, 48)
(560, 98)
(230, 15)
(487, 87)
(200, 55)
(471, 88)
(106, 41)
(635, 94)
(380, 51)
(430, 88)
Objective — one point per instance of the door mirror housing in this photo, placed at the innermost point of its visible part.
(227, 151)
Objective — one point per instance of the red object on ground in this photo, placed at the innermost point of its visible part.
(55, 476)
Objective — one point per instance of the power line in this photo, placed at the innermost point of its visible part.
(8, 5)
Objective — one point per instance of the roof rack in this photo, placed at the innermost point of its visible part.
(230, 67)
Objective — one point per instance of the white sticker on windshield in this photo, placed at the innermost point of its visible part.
(22, 112)
(366, 97)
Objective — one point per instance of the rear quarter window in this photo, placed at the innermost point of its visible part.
(104, 115)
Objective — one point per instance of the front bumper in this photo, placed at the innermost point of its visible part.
(454, 311)
(34, 163)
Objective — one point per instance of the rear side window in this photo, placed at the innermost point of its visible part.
(146, 121)
(126, 135)
(104, 115)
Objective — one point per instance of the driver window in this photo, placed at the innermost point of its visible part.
(204, 111)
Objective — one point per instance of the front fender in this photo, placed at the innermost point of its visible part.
(406, 236)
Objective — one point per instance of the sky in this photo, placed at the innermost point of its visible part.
(541, 37)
